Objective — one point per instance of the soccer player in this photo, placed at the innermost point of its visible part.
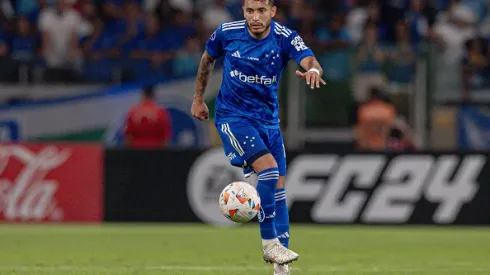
(256, 51)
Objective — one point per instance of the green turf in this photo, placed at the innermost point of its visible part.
(192, 249)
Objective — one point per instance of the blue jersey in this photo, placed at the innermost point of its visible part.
(252, 70)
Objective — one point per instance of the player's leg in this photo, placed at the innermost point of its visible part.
(282, 223)
(282, 213)
(265, 166)
(276, 146)
(268, 177)
(277, 149)
(244, 146)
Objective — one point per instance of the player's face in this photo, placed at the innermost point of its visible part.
(258, 15)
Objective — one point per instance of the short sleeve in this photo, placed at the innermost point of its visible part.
(214, 45)
(296, 47)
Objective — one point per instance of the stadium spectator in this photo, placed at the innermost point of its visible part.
(370, 61)
(186, 62)
(25, 44)
(420, 18)
(476, 64)
(374, 122)
(216, 13)
(401, 76)
(151, 48)
(113, 10)
(334, 45)
(452, 30)
(133, 23)
(148, 125)
(114, 33)
(90, 24)
(163, 12)
(59, 44)
(183, 5)
(182, 27)
(355, 21)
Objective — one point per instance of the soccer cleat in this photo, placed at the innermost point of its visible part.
(276, 253)
(281, 269)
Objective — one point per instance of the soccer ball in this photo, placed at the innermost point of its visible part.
(239, 202)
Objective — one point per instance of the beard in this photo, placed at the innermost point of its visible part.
(259, 33)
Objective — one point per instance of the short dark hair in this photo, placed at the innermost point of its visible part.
(149, 91)
(271, 2)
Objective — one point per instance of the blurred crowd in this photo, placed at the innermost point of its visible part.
(363, 45)
(107, 40)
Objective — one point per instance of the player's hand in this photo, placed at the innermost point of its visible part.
(312, 79)
(200, 110)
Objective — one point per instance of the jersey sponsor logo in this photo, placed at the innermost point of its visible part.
(256, 79)
(379, 189)
(299, 44)
(213, 36)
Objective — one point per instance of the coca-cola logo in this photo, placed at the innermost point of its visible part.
(25, 192)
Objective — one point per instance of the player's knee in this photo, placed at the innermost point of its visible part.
(264, 162)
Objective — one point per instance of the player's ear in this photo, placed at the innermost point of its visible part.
(273, 11)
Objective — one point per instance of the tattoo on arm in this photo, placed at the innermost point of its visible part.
(206, 68)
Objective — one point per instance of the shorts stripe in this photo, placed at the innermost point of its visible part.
(225, 128)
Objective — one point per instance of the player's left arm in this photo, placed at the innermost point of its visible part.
(304, 56)
(314, 72)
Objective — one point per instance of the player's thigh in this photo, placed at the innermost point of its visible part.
(242, 143)
(277, 149)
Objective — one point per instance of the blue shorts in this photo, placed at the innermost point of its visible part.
(244, 142)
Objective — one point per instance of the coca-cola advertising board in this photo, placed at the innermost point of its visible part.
(51, 182)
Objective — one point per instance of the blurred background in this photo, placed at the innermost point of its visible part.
(95, 127)
(426, 61)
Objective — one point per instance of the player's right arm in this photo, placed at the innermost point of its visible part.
(206, 67)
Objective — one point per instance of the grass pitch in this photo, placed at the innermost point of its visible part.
(198, 249)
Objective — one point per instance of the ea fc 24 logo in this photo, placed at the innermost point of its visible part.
(449, 181)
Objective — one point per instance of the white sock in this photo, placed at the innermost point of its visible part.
(267, 242)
